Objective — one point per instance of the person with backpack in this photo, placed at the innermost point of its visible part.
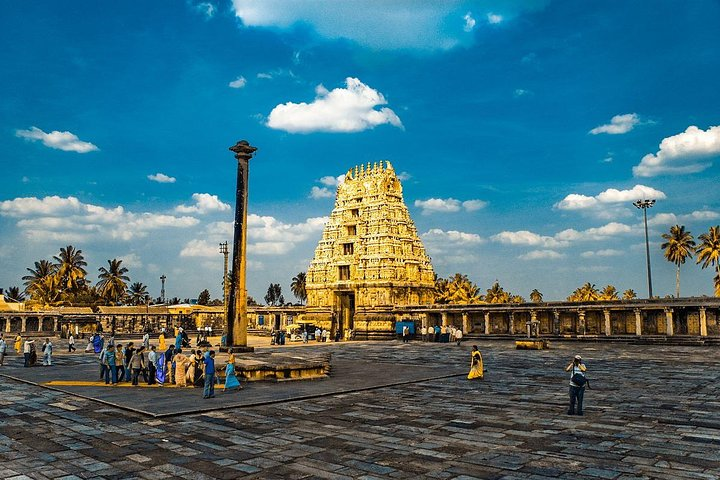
(578, 381)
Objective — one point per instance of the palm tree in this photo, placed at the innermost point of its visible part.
(442, 295)
(70, 269)
(32, 282)
(461, 290)
(496, 294)
(609, 293)
(708, 253)
(629, 294)
(137, 294)
(113, 281)
(536, 296)
(678, 247)
(297, 286)
(14, 294)
(586, 293)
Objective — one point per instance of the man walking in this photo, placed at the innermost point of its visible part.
(406, 334)
(47, 353)
(71, 343)
(577, 384)
(209, 390)
(27, 349)
(152, 359)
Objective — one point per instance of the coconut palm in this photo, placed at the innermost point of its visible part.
(536, 296)
(461, 290)
(441, 290)
(678, 247)
(629, 294)
(47, 291)
(43, 269)
(708, 252)
(14, 294)
(70, 269)
(113, 281)
(137, 294)
(586, 293)
(297, 286)
(609, 293)
(496, 294)
(716, 281)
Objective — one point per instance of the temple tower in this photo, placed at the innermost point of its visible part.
(369, 259)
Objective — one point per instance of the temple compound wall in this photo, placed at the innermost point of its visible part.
(369, 260)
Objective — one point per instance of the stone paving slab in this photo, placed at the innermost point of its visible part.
(647, 416)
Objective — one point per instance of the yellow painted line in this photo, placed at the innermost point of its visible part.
(78, 383)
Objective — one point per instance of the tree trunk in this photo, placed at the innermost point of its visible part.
(677, 282)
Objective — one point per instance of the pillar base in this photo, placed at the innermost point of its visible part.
(237, 349)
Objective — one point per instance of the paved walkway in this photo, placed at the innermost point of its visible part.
(653, 412)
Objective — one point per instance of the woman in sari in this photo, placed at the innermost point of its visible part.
(161, 343)
(199, 378)
(476, 364)
(18, 344)
(231, 380)
(190, 371)
(181, 363)
(178, 342)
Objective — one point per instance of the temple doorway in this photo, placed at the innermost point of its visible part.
(346, 312)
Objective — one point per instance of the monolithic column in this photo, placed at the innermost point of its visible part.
(7, 324)
(487, 323)
(703, 322)
(236, 321)
(669, 321)
(534, 324)
(608, 327)
(556, 322)
(638, 321)
(466, 323)
(581, 323)
(22, 324)
(511, 323)
(444, 317)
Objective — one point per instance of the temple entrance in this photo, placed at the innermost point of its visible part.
(345, 313)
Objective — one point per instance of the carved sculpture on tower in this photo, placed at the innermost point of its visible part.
(369, 259)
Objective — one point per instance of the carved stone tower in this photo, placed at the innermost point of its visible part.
(370, 258)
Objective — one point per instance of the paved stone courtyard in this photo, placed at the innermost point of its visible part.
(652, 412)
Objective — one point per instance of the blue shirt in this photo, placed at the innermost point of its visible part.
(209, 365)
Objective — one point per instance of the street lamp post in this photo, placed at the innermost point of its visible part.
(226, 285)
(644, 205)
(162, 289)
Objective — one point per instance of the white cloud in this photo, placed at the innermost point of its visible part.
(525, 237)
(542, 255)
(469, 22)
(666, 219)
(473, 205)
(239, 82)
(264, 76)
(331, 181)
(618, 124)
(688, 152)
(521, 92)
(402, 176)
(342, 110)
(321, 192)
(131, 260)
(206, 8)
(200, 248)
(607, 204)
(204, 203)
(161, 178)
(441, 237)
(608, 252)
(65, 141)
(564, 238)
(57, 218)
(494, 18)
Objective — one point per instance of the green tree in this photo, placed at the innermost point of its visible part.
(609, 293)
(442, 295)
(204, 297)
(536, 296)
(629, 294)
(70, 269)
(462, 291)
(113, 282)
(137, 294)
(274, 295)
(708, 253)
(496, 294)
(14, 294)
(251, 301)
(679, 246)
(586, 293)
(297, 287)
(33, 282)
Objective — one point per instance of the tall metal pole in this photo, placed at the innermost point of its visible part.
(644, 205)
(162, 289)
(236, 320)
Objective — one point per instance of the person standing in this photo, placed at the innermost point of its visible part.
(458, 336)
(27, 350)
(119, 362)
(406, 334)
(169, 354)
(304, 336)
(71, 343)
(47, 353)
(231, 380)
(146, 341)
(137, 363)
(129, 352)
(111, 365)
(577, 385)
(423, 333)
(161, 342)
(209, 390)
(18, 344)
(152, 358)
(476, 364)
(3, 350)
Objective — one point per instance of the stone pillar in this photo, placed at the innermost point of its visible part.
(608, 325)
(467, 328)
(534, 324)
(703, 322)
(424, 318)
(444, 317)
(487, 323)
(669, 322)
(55, 324)
(22, 324)
(581, 323)
(511, 323)
(7, 324)
(236, 322)
(638, 321)
(556, 322)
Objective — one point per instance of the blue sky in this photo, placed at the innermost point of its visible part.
(523, 131)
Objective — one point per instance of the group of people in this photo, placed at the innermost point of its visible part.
(438, 333)
(29, 350)
(578, 380)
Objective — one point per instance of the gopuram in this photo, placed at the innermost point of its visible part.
(369, 259)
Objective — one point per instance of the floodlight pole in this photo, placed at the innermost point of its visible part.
(644, 205)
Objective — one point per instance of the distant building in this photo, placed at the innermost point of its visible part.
(370, 258)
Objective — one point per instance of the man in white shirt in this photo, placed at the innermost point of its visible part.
(3, 349)
(71, 343)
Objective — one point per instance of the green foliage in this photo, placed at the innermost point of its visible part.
(274, 295)
(204, 297)
(297, 287)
